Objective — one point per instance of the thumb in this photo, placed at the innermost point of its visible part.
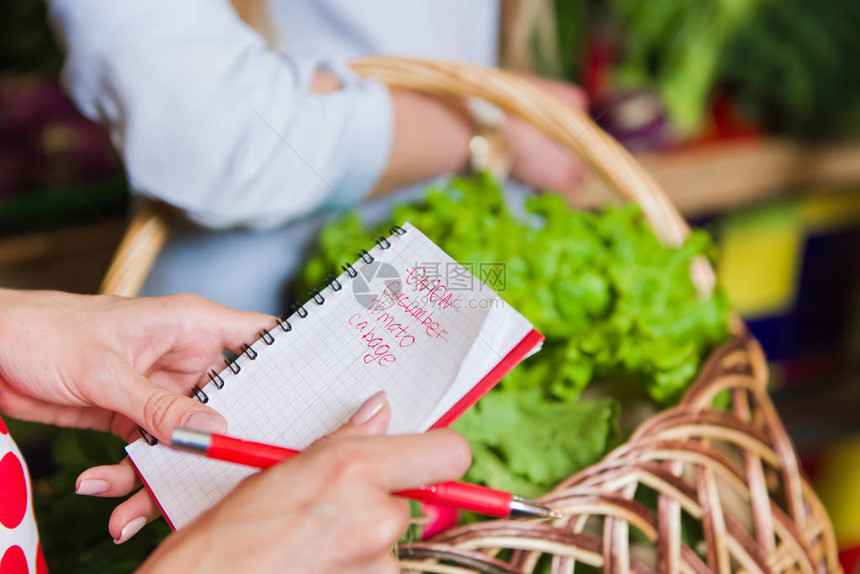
(158, 410)
(371, 419)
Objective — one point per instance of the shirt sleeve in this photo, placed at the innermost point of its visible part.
(209, 120)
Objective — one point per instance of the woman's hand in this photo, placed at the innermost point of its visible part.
(538, 160)
(431, 138)
(326, 510)
(111, 364)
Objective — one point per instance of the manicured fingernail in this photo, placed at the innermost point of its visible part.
(130, 530)
(369, 409)
(92, 487)
(206, 422)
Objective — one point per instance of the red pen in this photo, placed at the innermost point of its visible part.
(461, 495)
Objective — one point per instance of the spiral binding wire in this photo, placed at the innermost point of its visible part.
(230, 359)
(234, 366)
(334, 283)
(216, 379)
(299, 309)
(267, 337)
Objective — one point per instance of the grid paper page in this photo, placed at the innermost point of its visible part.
(394, 327)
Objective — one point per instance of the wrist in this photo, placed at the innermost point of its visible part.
(180, 552)
(489, 148)
(431, 138)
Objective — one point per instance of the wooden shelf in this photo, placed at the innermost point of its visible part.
(717, 177)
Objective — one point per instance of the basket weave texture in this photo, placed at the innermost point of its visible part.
(729, 475)
(729, 494)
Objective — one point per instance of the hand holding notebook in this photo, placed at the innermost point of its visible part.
(405, 319)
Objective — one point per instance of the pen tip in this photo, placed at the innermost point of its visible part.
(526, 508)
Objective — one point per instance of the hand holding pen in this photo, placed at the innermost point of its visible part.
(475, 498)
(460, 495)
(328, 510)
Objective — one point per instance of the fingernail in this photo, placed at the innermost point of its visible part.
(206, 422)
(369, 409)
(130, 529)
(92, 487)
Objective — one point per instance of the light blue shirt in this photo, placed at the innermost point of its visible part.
(210, 120)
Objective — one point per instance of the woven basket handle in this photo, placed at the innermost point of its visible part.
(148, 231)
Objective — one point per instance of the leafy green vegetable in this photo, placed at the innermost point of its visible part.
(525, 444)
(612, 301)
(608, 296)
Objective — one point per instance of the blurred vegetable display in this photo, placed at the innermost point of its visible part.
(788, 65)
(675, 46)
(46, 140)
(56, 166)
(27, 44)
(612, 301)
(794, 67)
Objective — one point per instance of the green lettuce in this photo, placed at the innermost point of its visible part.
(613, 302)
(525, 444)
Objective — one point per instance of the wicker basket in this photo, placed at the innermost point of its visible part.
(731, 471)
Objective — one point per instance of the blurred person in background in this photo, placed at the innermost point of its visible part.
(255, 133)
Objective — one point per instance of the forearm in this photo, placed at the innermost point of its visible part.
(229, 132)
(431, 138)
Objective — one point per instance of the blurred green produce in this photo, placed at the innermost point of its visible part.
(789, 64)
(675, 46)
(27, 44)
(794, 67)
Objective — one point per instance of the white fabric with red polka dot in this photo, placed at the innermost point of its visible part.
(19, 540)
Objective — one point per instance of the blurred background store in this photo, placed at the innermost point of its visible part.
(747, 111)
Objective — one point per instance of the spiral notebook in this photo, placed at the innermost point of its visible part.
(404, 317)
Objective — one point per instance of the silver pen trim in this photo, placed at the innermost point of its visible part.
(522, 507)
(190, 440)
